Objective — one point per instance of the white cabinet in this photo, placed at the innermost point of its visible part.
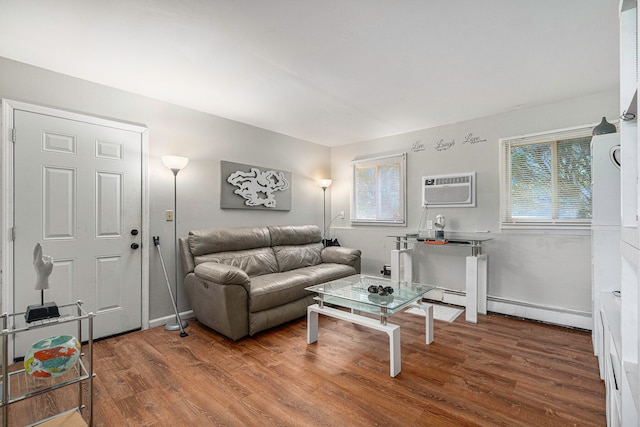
(626, 354)
(622, 347)
(609, 317)
(605, 230)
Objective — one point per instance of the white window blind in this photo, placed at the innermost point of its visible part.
(546, 179)
(379, 190)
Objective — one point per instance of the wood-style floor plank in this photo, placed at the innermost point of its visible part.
(501, 371)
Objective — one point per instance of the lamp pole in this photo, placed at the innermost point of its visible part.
(324, 184)
(174, 326)
(324, 216)
(176, 164)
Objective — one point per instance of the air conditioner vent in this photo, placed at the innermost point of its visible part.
(456, 190)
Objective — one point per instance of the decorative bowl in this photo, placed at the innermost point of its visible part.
(52, 356)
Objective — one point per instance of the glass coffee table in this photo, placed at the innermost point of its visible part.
(353, 292)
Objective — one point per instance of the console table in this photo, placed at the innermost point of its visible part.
(476, 266)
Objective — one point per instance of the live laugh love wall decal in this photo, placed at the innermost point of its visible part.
(446, 144)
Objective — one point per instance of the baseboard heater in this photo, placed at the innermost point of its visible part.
(554, 315)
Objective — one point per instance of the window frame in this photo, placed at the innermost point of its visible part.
(506, 220)
(379, 161)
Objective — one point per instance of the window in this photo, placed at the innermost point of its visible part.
(379, 190)
(546, 179)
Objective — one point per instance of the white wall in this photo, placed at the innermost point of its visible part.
(540, 269)
(204, 138)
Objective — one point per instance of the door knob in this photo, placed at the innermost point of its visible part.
(135, 246)
(134, 232)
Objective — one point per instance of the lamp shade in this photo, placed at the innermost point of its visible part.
(175, 162)
(324, 183)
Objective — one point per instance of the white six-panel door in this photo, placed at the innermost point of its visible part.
(78, 191)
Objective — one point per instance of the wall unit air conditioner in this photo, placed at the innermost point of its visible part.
(456, 190)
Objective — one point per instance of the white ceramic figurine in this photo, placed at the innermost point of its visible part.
(43, 264)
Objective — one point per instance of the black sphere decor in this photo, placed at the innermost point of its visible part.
(380, 290)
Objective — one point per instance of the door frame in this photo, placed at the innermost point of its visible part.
(7, 153)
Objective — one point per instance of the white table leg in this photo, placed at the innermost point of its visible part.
(476, 287)
(407, 260)
(428, 322)
(395, 358)
(312, 325)
(428, 314)
(401, 260)
(471, 308)
(482, 284)
(393, 331)
(395, 265)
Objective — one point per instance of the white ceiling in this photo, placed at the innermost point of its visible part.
(327, 71)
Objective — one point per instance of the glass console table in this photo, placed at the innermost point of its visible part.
(476, 265)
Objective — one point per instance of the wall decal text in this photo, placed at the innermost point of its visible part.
(443, 146)
(417, 146)
(471, 139)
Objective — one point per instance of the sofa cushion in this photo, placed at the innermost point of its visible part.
(294, 235)
(341, 255)
(326, 272)
(255, 262)
(276, 289)
(297, 256)
(222, 274)
(224, 239)
(265, 319)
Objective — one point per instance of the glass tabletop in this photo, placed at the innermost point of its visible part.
(354, 292)
(470, 240)
(452, 237)
(16, 322)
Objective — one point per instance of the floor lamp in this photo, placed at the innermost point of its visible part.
(324, 183)
(176, 164)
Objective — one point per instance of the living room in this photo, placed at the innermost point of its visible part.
(539, 274)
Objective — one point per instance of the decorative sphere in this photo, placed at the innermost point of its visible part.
(52, 357)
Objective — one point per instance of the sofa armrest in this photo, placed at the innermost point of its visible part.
(185, 255)
(222, 274)
(342, 255)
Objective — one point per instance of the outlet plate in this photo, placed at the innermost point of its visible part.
(429, 225)
(342, 214)
(168, 215)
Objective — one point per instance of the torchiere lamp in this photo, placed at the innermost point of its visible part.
(176, 164)
(324, 183)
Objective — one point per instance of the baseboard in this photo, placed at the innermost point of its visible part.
(161, 321)
(553, 315)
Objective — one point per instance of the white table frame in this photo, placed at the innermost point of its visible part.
(475, 280)
(393, 331)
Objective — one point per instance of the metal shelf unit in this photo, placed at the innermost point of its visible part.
(18, 385)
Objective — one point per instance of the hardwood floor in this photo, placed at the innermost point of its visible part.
(499, 372)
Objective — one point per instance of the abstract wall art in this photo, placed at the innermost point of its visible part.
(254, 187)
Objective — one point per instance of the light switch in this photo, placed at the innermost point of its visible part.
(168, 215)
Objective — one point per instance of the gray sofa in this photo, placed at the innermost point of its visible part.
(243, 280)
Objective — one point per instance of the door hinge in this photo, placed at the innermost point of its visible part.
(13, 135)
(13, 234)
